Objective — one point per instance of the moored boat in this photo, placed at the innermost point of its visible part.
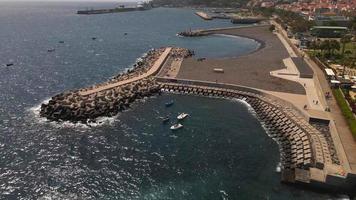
(176, 126)
(168, 104)
(182, 116)
(165, 119)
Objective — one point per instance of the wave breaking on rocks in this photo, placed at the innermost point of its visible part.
(117, 94)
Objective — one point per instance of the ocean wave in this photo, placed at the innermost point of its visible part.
(100, 121)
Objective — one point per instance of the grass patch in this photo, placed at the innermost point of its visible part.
(341, 101)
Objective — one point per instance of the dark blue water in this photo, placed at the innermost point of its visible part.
(222, 152)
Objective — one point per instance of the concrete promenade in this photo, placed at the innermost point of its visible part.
(154, 69)
(204, 15)
(341, 134)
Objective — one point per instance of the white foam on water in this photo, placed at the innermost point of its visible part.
(224, 195)
(279, 167)
(100, 121)
(35, 111)
(248, 106)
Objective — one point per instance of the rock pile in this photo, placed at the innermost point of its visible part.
(192, 33)
(75, 107)
(71, 106)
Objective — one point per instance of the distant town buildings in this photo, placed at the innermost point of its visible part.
(311, 8)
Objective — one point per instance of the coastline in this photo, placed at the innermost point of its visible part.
(304, 149)
(261, 44)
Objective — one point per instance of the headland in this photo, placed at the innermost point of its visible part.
(267, 79)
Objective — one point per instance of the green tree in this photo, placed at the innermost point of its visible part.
(345, 39)
(334, 45)
(325, 47)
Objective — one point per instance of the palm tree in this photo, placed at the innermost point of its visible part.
(334, 45)
(325, 46)
(345, 39)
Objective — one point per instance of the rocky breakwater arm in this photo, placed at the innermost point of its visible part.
(111, 97)
(196, 33)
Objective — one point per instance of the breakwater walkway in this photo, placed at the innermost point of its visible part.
(154, 69)
(115, 95)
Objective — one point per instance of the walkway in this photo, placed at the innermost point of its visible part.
(154, 69)
(344, 133)
(341, 134)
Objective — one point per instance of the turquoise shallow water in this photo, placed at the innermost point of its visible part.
(222, 152)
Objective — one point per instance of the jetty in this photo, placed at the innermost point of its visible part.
(154, 69)
(122, 8)
(115, 95)
(203, 15)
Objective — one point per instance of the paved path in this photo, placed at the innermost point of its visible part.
(171, 68)
(156, 66)
(344, 133)
(291, 73)
(340, 132)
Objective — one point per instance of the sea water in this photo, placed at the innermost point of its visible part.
(221, 153)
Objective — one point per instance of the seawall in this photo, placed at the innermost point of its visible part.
(305, 153)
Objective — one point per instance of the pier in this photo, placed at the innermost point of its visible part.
(115, 95)
(153, 70)
(203, 15)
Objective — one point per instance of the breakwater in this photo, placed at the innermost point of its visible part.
(204, 15)
(192, 33)
(289, 131)
(113, 96)
(305, 152)
(114, 10)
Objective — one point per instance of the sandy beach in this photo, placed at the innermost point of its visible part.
(252, 70)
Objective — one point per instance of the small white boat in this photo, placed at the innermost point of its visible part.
(176, 126)
(182, 116)
(279, 167)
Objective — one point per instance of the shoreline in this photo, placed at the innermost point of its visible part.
(261, 44)
(305, 153)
